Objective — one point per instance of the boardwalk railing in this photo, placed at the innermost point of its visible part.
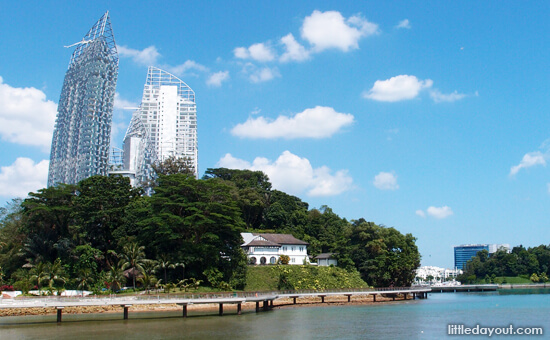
(185, 299)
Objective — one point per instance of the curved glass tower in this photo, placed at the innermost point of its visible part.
(164, 126)
(82, 134)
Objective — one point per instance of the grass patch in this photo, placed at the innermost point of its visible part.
(514, 280)
(281, 277)
(261, 278)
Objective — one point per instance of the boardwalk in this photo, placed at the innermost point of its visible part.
(263, 300)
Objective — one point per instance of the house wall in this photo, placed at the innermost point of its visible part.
(327, 262)
(296, 253)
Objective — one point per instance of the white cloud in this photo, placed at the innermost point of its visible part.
(397, 88)
(121, 103)
(188, 65)
(147, 57)
(326, 30)
(317, 122)
(22, 177)
(295, 175)
(439, 97)
(259, 52)
(294, 51)
(420, 213)
(386, 181)
(216, 79)
(26, 116)
(404, 24)
(530, 159)
(264, 74)
(440, 212)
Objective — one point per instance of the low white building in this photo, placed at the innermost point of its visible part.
(268, 248)
(435, 274)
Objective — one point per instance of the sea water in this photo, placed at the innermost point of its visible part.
(412, 319)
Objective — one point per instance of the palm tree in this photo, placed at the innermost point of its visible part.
(116, 276)
(148, 279)
(182, 265)
(133, 256)
(55, 275)
(85, 278)
(163, 264)
(38, 275)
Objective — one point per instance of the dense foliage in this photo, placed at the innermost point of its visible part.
(102, 233)
(532, 263)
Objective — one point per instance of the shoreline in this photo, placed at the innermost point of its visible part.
(229, 309)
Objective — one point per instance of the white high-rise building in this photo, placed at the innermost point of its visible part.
(82, 134)
(165, 125)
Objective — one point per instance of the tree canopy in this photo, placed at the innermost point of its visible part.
(101, 232)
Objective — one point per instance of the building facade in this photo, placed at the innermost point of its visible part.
(431, 274)
(326, 260)
(465, 252)
(267, 248)
(82, 134)
(164, 126)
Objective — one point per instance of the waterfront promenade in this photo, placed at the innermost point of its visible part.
(262, 300)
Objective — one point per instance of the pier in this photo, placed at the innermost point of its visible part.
(262, 300)
(465, 288)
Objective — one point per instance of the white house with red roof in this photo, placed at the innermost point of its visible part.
(267, 248)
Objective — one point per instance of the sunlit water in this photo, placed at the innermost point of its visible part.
(418, 319)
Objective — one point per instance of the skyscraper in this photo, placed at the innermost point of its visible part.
(82, 134)
(164, 126)
(465, 252)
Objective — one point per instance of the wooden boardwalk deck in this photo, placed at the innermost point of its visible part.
(259, 298)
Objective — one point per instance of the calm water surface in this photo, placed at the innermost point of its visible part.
(418, 319)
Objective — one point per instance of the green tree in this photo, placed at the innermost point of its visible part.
(38, 274)
(384, 256)
(163, 264)
(12, 237)
(196, 222)
(85, 279)
(133, 256)
(253, 190)
(115, 277)
(148, 278)
(100, 208)
(55, 275)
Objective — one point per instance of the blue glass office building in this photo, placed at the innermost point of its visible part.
(465, 252)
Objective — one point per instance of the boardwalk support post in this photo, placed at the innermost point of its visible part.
(322, 298)
(349, 297)
(271, 303)
(257, 306)
(373, 297)
(59, 313)
(239, 308)
(126, 311)
(265, 305)
(294, 298)
(221, 309)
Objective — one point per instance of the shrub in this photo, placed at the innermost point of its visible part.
(6, 288)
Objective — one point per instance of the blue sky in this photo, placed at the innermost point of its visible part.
(430, 117)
